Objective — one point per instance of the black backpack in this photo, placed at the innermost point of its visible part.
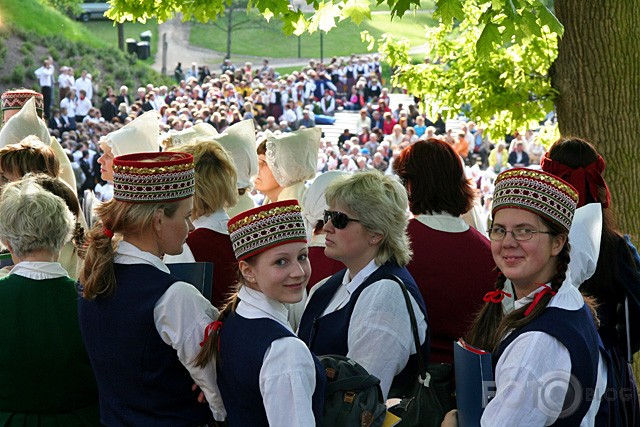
(353, 397)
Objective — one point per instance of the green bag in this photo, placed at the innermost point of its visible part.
(353, 397)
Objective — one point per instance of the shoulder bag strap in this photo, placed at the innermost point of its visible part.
(414, 325)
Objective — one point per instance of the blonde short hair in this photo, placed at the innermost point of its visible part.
(380, 202)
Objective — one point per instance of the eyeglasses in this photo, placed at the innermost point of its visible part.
(339, 219)
(498, 234)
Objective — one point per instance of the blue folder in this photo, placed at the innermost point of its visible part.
(199, 274)
(474, 382)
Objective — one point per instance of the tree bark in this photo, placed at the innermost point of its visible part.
(597, 75)
(229, 29)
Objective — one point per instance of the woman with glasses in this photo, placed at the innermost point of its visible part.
(451, 260)
(548, 368)
(360, 312)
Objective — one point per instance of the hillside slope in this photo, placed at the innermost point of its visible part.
(31, 31)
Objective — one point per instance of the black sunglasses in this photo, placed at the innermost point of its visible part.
(339, 219)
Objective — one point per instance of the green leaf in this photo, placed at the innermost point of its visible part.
(490, 36)
(447, 10)
(325, 17)
(357, 10)
(549, 19)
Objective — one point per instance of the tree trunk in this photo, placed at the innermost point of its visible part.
(229, 29)
(597, 75)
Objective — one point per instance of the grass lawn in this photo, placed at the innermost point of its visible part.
(105, 30)
(43, 19)
(341, 41)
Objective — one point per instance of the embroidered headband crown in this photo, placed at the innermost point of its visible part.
(153, 177)
(265, 227)
(537, 192)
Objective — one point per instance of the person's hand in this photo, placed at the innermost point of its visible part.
(201, 398)
(451, 419)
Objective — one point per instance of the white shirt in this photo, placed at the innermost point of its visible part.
(70, 105)
(443, 222)
(39, 270)
(181, 316)
(216, 221)
(45, 75)
(83, 106)
(379, 337)
(287, 377)
(86, 85)
(531, 362)
(65, 80)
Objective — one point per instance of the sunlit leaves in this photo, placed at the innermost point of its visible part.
(325, 17)
(505, 83)
(356, 10)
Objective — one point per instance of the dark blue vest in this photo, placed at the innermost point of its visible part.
(243, 343)
(140, 380)
(329, 334)
(577, 332)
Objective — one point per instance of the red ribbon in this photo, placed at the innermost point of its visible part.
(580, 178)
(211, 327)
(107, 232)
(547, 290)
(495, 296)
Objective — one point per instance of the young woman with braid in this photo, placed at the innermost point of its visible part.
(616, 276)
(548, 345)
(267, 376)
(141, 326)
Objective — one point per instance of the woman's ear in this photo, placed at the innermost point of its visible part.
(247, 272)
(158, 220)
(375, 238)
(558, 242)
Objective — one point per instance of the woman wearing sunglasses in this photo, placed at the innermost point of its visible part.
(360, 311)
(548, 369)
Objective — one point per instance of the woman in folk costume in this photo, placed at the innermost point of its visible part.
(45, 375)
(549, 340)
(267, 376)
(313, 206)
(285, 162)
(451, 260)
(141, 325)
(239, 141)
(616, 275)
(360, 312)
(31, 155)
(215, 191)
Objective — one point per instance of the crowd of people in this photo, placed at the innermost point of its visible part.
(307, 237)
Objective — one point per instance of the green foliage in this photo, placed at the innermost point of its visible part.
(27, 61)
(71, 7)
(18, 74)
(507, 88)
(26, 48)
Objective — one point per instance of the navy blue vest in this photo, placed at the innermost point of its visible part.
(140, 380)
(329, 334)
(577, 332)
(243, 343)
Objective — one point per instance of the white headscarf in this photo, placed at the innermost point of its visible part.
(26, 122)
(239, 140)
(313, 201)
(201, 130)
(293, 157)
(139, 136)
